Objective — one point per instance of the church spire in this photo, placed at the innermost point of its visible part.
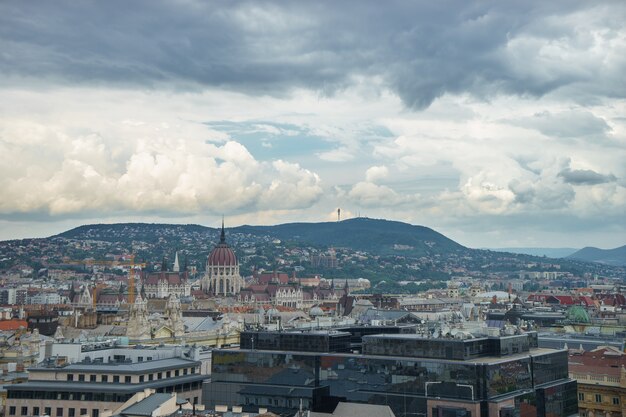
(176, 267)
(223, 235)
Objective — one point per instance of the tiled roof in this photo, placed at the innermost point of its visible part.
(172, 278)
(601, 361)
(13, 324)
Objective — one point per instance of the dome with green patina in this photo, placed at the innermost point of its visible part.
(578, 314)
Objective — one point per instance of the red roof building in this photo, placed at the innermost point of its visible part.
(601, 377)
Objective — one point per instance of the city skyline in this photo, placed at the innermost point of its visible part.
(496, 124)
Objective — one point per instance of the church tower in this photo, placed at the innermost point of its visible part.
(174, 315)
(138, 322)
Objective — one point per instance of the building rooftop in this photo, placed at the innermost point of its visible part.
(354, 409)
(117, 367)
(480, 360)
(101, 386)
(147, 406)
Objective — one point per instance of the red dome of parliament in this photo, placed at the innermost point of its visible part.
(222, 254)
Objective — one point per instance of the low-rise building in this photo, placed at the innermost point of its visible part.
(89, 388)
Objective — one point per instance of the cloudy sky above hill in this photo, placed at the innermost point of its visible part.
(497, 123)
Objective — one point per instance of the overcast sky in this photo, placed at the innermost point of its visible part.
(497, 123)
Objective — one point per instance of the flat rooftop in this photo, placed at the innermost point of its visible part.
(103, 386)
(120, 367)
(483, 360)
(414, 336)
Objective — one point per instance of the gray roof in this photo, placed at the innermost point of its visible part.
(146, 406)
(361, 410)
(122, 368)
(35, 385)
(198, 324)
(374, 313)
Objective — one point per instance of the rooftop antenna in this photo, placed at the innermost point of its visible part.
(338, 214)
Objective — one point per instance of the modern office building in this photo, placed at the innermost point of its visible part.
(462, 376)
(297, 341)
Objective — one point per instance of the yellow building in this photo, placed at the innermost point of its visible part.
(601, 377)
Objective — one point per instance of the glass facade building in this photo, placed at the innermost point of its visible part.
(297, 341)
(411, 381)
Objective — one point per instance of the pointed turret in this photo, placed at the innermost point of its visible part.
(176, 267)
(223, 234)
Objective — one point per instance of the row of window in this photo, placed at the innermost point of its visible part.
(95, 396)
(597, 397)
(69, 396)
(71, 412)
(128, 379)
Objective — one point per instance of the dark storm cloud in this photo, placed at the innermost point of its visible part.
(419, 49)
(585, 177)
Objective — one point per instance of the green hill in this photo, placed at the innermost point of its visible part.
(383, 237)
(376, 236)
(615, 257)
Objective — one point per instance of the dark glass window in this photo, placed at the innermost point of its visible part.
(127, 379)
(12, 410)
(24, 411)
(59, 411)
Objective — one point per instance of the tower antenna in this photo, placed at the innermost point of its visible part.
(338, 214)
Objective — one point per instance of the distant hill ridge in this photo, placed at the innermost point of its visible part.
(548, 252)
(372, 235)
(615, 257)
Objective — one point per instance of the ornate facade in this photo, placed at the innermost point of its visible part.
(174, 316)
(163, 284)
(280, 290)
(138, 321)
(222, 271)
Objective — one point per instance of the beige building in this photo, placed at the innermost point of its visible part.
(601, 378)
(93, 388)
